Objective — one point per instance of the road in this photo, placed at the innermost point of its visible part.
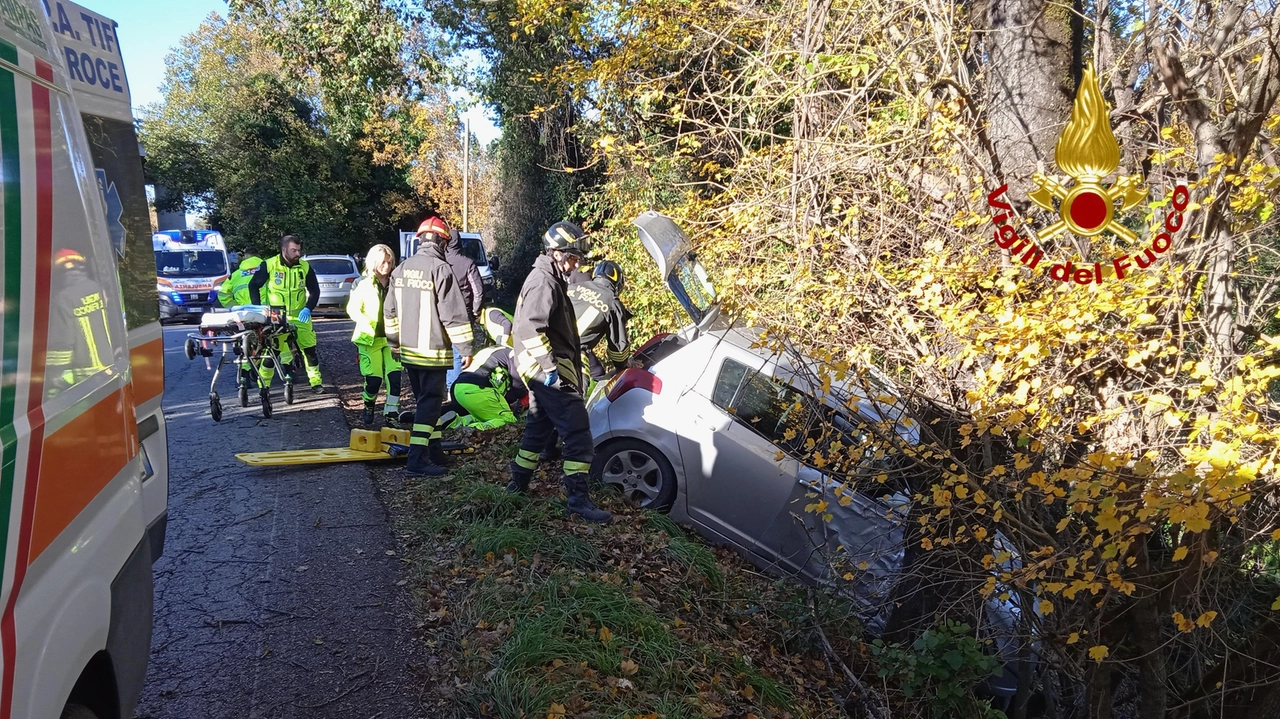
(280, 592)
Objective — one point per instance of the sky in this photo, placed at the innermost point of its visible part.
(149, 28)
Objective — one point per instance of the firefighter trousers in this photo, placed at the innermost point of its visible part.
(561, 410)
(427, 384)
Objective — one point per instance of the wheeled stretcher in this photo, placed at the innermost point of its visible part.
(251, 336)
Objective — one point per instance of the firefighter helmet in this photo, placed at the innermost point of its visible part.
(435, 226)
(68, 258)
(609, 270)
(566, 237)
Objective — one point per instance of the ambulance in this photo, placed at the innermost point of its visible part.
(189, 265)
(83, 465)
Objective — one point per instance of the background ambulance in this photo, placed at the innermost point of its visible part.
(189, 264)
(83, 479)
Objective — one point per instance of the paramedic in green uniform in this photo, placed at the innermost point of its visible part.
(377, 364)
(488, 388)
(234, 291)
(290, 284)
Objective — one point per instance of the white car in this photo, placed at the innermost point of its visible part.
(712, 430)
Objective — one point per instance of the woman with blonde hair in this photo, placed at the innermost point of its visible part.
(376, 361)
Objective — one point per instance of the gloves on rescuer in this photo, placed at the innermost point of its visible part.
(305, 315)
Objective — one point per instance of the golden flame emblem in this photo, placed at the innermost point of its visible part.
(1087, 151)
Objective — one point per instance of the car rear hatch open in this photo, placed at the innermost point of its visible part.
(678, 266)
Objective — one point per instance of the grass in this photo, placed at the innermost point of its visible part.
(633, 619)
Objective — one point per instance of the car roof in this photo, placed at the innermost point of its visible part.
(328, 257)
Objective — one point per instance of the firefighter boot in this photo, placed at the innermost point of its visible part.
(520, 477)
(437, 455)
(367, 419)
(419, 463)
(579, 502)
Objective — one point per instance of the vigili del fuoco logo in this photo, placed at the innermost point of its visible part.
(1088, 152)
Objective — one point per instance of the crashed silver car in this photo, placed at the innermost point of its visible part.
(713, 429)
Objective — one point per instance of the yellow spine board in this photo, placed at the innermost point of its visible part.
(309, 456)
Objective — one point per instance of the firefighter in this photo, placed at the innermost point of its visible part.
(234, 291)
(291, 285)
(79, 338)
(377, 364)
(488, 388)
(548, 357)
(601, 315)
(426, 318)
(497, 323)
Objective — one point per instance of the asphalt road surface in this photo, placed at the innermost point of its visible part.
(279, 591)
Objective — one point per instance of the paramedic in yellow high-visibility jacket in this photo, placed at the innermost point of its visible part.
(290, 284)
(377, 364)
(234, 291)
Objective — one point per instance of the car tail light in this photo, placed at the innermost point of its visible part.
(631, 379)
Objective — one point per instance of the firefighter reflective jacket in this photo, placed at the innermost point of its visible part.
(79, 339)
(495, 367)
(498, 324)
(546, 332)
(425, 311)
(289, 287)
(234, 291)
(364, 307)
(601, 316)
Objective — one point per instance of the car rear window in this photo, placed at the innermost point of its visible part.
(333, 267)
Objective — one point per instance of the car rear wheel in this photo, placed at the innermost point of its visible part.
(638, 469)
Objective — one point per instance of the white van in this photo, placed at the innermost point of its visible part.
(83, 479)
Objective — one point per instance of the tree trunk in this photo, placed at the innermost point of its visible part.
(1029, 55)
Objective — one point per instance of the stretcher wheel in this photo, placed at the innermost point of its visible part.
(288, 393)
(265, 395)
(244, 396)
(190, 348)
(215, 407)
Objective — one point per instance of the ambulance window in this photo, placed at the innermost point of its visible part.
(86, 320)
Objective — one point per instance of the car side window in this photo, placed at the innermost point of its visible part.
(771, 408)
(731, 374)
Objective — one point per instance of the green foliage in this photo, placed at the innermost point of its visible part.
(942, 665)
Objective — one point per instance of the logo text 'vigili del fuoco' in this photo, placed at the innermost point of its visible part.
(1088, 152)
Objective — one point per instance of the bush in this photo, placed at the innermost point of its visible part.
(944, 664)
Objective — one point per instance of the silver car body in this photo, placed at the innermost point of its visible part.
(734, 485)
(336, 274)
(731, 484)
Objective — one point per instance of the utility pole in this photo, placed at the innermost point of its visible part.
(466, 174)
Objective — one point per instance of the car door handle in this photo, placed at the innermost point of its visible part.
(708, 424)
